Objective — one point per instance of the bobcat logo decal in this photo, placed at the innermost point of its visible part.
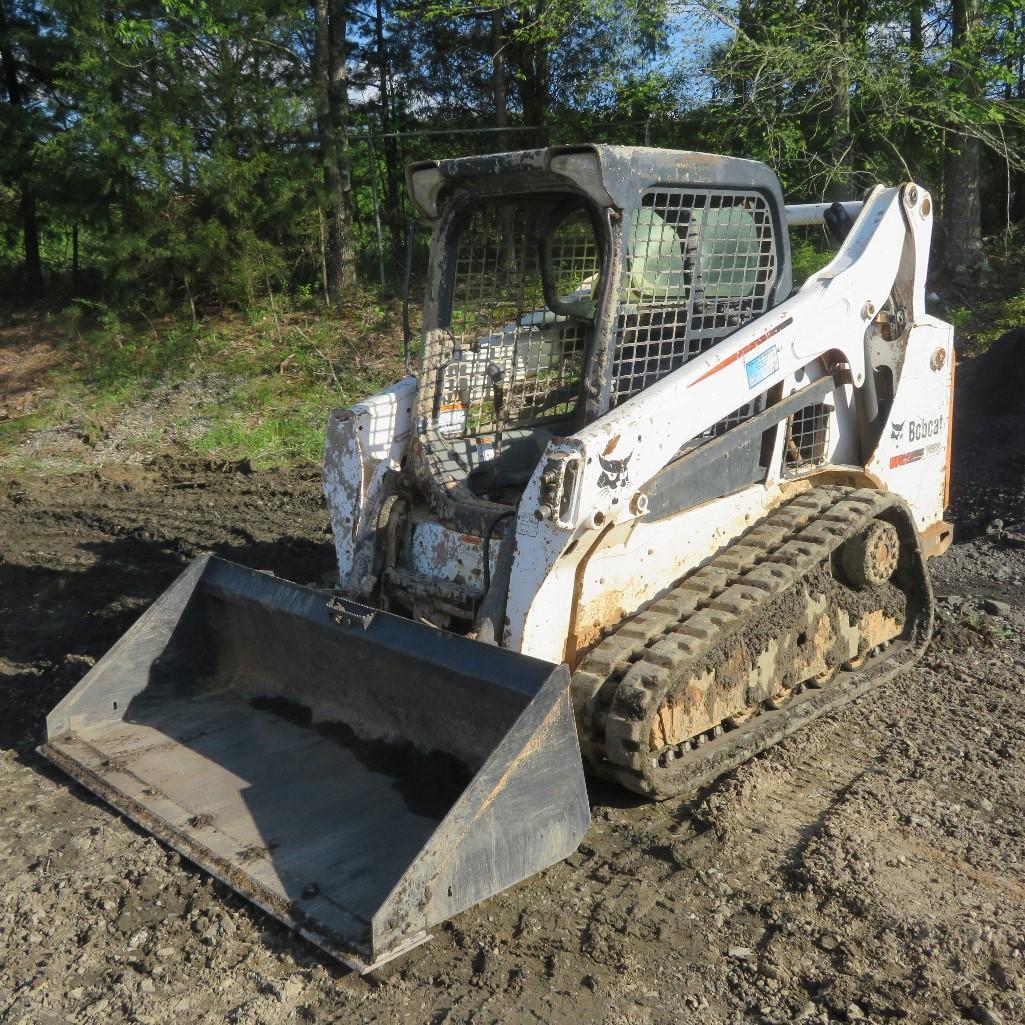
(614, 473)
(897, 430)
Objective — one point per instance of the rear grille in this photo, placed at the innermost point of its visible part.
(700, 264)
(807, 437)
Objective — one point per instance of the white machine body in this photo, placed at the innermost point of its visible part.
(599, 556)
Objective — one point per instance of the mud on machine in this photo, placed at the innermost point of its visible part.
(639, 508)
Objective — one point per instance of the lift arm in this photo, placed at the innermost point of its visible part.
(574, 492)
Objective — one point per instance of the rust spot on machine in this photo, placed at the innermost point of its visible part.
(937, 538)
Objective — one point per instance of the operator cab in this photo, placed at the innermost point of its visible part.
(503, 372)
(563, 282)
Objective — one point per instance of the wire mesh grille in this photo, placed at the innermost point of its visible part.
(507, 360)
(700, 264)
(575, 256)
(807, 436)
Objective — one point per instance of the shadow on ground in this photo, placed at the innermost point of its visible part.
(55, 622)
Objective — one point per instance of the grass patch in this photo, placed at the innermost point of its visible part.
(985, 310)
(273, 372)
(52, 468)
(272, 424)
(986, 320)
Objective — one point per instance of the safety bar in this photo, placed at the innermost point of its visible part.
(802, 214)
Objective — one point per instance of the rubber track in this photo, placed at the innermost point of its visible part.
(621, 683)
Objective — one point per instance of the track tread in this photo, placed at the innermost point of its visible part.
(683, 627)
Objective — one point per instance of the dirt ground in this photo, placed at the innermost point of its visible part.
(27, 356)
(869, 869)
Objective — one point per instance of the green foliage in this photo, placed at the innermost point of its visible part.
(838, 98)
(176, 143)
(261, 381)
(1011, 314)
(807, 258)
(959, 316)
(182, 157)
(991, 319)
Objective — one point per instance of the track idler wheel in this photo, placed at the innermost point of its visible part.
(871, 557)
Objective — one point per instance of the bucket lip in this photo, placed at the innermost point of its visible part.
(350, 951)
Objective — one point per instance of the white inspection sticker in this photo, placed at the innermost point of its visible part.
(762, 366)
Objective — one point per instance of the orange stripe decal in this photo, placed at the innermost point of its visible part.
(743, 352)
(906, 457)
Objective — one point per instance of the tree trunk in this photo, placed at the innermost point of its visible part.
(840, 17)
(1018, 179)
(746, 25)
(30, 234)
(915, 35)
(962, 216)
(532, 57)
(74, 257)
(392, 164)
(339, 95)
(27, 199)
(839, 187)
(498, 78)
(332, 125)
(911, 148)
(500, 88)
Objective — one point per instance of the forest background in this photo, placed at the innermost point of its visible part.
(202, 189)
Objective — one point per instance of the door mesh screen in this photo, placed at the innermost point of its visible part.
(504, 345)
(700, 264)
(807, 437)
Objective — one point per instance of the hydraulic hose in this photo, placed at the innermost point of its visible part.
(489, 530)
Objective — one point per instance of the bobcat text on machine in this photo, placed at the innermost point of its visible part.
(640, 508)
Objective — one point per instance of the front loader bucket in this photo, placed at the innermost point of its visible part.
(357, 775)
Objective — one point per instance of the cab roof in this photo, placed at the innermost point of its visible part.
(613, 176)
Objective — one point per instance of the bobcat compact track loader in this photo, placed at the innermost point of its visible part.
(640, 507)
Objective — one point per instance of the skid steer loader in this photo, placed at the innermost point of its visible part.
(638, 506)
